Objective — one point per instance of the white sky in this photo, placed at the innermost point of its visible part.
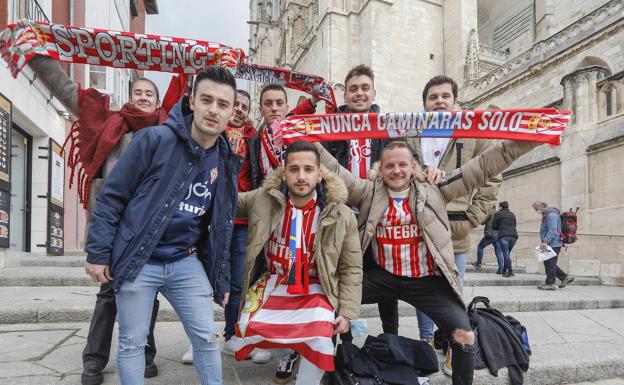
(220, 21)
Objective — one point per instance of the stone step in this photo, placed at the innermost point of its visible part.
(19, 304)
(490, 268)
(76, 276)
(29, 259)
(56, 261)
(51, 353)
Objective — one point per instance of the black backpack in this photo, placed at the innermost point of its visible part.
(518, 328)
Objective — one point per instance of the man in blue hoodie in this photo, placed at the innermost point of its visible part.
(163, 223)
(550, 235)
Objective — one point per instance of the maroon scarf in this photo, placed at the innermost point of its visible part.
(97, 132)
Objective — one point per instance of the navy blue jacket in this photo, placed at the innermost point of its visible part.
(139, 196)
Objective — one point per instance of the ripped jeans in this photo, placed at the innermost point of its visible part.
(185, 285)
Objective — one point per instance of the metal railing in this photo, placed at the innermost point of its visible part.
(35, 12)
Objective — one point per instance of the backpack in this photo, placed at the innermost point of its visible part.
(569, 226)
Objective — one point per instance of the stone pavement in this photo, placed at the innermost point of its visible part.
(568, 347)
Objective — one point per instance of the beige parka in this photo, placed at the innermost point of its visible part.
(428, 201)
(337, 245)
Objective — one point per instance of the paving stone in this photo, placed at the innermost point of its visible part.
(26, 345)
(556, 359)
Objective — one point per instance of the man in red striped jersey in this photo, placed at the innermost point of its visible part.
(303, 269)
(403, 223)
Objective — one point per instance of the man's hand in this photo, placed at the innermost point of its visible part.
(314, 101)
(222, 301)
(21, 23)
(341, 325)
(434, 175)
(544, 245)
(99, 273)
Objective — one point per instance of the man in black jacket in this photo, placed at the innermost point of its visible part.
(357, 155)
(504, 223)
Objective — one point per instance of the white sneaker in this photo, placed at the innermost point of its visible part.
(232, 345)
(423, 380)
(261, 356)
(187, 358)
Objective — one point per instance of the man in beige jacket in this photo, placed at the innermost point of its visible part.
(303, 263)
(403, 223)
(466, 212)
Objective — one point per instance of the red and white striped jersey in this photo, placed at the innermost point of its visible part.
(398, 246)
(360, 152)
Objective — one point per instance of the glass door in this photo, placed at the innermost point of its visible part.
(21, 150)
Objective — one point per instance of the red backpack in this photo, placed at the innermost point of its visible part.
(569, 226)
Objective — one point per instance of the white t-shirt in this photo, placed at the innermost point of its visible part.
(432, 150)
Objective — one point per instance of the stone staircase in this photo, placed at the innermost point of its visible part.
(577, 333)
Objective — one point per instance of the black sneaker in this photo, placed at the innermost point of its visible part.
(92, 376)
(285, 367)
(151, 370)
(476, 265)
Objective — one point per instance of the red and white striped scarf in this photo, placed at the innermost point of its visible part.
(399, 246)
(290, 249)
(112, 48)
(359, 157)
(269, 160)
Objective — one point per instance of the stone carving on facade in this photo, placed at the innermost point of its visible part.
(545, 53)
(297, 33)
(481, 59)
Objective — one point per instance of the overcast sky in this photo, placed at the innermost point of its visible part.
(220, 21)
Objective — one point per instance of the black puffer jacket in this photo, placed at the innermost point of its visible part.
(504, 223)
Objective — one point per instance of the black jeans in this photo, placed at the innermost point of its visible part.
(433, 296)
(552, 270)
(97, 350)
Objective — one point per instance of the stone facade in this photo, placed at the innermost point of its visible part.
(522, 53)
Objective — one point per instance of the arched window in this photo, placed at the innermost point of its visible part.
(269, 11)
(298, 30)
(611, 101)
(265, 52)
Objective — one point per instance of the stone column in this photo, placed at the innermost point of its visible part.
(580, 94)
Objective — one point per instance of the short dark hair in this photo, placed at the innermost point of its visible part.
(436, 81)
(359, 70)
(503, 205)
(273, 87)
(144, 79)
(301, 146)
(244, 93)
(217, 74)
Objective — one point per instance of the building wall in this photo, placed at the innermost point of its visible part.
(568, 56)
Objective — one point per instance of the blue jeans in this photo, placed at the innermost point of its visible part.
(425, 324)
(506, 245)
(185, 285)
(237, 266)
(486, 241)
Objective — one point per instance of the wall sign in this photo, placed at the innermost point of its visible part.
(56, 186)
(5, 169)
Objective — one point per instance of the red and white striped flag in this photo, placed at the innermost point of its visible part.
(272, 318)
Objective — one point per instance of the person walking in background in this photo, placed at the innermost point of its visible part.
(550, 235)
(490, 237)
(504, 224)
